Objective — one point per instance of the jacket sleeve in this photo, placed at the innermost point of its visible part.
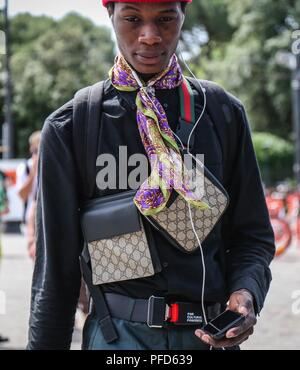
(57, 275)
(250, 238)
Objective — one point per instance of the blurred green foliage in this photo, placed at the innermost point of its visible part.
(242, 58)
(243, 38)
(275, 156)
(232, 42)
(50, 61)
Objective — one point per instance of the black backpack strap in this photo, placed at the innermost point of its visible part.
(86, 124)
(105, 321)
(220, 109)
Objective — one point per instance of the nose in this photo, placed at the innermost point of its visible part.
(150, 35)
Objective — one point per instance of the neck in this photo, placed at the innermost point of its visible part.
(146, 77)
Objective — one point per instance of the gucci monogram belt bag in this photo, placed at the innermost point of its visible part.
(118, 239)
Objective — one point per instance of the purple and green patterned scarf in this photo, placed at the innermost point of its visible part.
(167, 167)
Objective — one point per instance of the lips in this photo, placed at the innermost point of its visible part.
(149, 55)
(149, 58)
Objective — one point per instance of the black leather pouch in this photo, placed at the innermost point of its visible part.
(118, 238)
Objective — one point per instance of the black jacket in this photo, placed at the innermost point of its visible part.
(237, 252)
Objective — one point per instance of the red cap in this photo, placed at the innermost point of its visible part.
(105, 2)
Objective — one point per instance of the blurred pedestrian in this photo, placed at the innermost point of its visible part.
(3, 210)
(3, 202)
(27, 189)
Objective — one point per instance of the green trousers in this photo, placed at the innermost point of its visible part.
(136, 336)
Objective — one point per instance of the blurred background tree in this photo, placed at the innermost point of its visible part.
(51, 60)
(232, 42)
(239, 52)
(275, 156)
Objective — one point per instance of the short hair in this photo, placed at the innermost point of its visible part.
(111, 6)
(184, 6)
(35, 138)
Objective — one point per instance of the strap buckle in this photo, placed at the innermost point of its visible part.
(158, 312)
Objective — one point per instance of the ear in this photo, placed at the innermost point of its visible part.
(183, 14)
(183, 18)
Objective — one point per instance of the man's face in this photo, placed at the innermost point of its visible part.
(147, 34)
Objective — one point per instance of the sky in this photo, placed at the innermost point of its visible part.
(92, 9)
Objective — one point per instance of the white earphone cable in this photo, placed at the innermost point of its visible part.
(196, 159)
(199, 163)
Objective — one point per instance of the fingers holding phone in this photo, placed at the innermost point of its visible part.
(232, 327)
(242, 302)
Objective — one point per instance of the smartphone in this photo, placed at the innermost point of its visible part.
(218, 327)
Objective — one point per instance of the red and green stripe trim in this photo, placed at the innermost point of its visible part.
(187, 102)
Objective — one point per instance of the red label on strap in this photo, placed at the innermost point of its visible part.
(174, 313)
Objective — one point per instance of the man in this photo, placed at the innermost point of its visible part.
(237, 252)
(27, 188)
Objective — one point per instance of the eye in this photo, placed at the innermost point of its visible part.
(132, 19)
(166, 19)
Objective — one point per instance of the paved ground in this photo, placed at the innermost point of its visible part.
(15, 281)
(278, 328)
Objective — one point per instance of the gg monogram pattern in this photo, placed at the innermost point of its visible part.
(121, 258)
(127, 257)
(175, 220)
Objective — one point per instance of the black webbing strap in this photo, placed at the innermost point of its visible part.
(86, 125)
(101, 307)
(139, 310)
